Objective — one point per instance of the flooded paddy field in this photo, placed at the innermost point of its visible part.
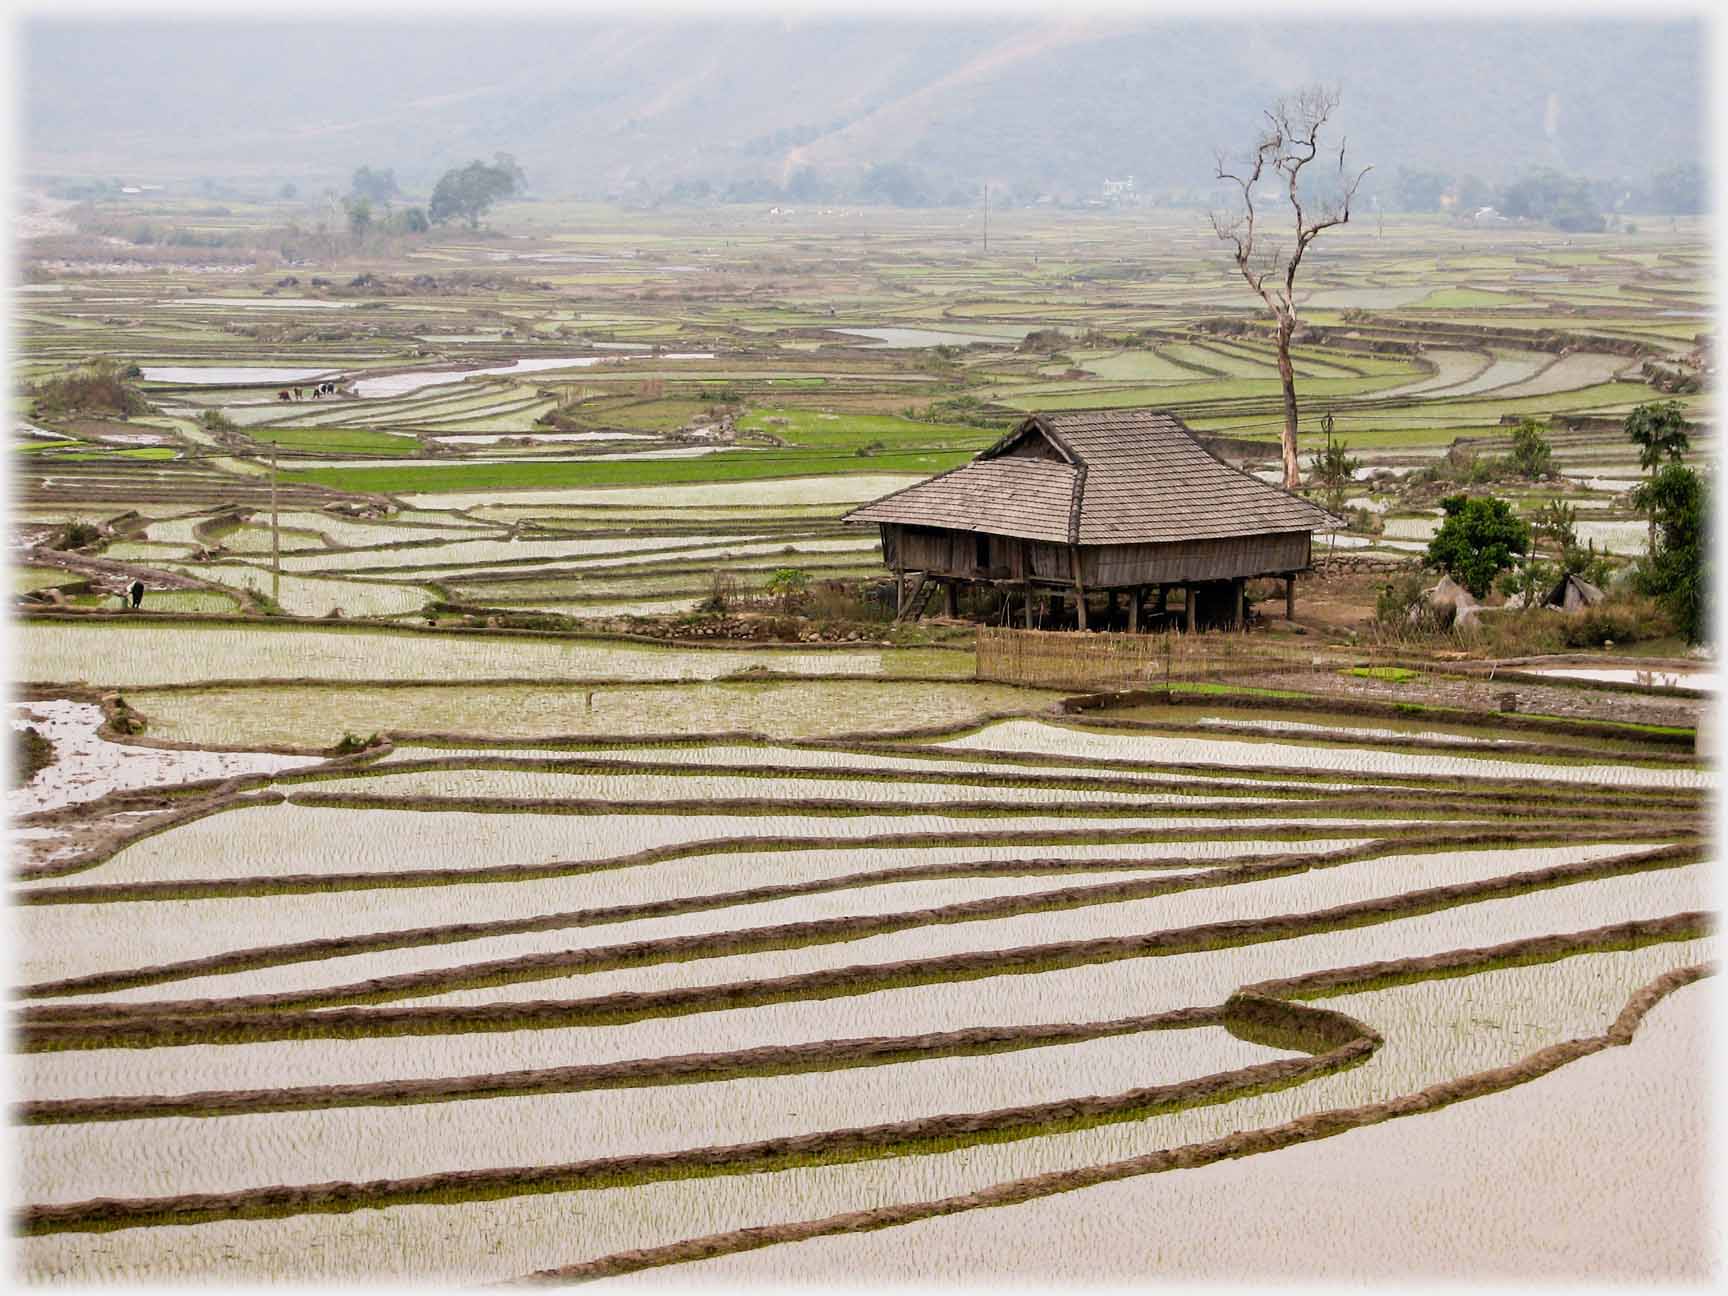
(515, 836)
(398, 969)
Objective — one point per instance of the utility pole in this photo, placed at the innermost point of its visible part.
(986, 218)
(275, 536)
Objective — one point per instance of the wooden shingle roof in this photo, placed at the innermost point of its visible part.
(1099, 477)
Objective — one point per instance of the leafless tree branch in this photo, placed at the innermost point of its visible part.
(1287, 143)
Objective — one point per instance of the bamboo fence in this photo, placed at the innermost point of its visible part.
(1065, 659)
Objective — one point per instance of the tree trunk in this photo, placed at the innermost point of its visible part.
(1287, 376)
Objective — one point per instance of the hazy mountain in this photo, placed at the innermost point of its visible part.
(592, 107)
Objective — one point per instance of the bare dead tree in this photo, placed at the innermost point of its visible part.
(1287, 144)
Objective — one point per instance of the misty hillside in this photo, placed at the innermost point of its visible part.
(604, 107)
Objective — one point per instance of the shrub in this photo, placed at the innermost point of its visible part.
(722, 592)
(1621, 621)
(1618, 620)
(967, 410)
(1460, 466)
(1532, 456)
(1477, 541)
(99, 387)
(32, 753)
(1401, 611)
(788, 584)
(842, 601)
(1365, 520)
(351, 743)
(76, 534)
(214, 420)
(1677, 500)
(1396, 598)
(1557, 523)
(1045, 340)
(1333, 469)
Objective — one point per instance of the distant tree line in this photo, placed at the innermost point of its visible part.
(895, 184)
(462, 193)
(1567, 202)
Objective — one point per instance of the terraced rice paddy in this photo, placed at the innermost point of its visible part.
(464, 987)
(481, 932)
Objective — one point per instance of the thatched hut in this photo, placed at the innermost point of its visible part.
(1102, 502)
(1573, 594)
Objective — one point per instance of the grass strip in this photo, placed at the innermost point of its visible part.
(1419, 837)
(692, 1068)
(317, 1014)
(1364, 806)
(1304, 1129)
(829, 1147)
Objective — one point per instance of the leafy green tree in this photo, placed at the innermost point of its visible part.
(788, 584)
(376, 186)
(1333, 469)
(1563, 201)
(359, 215)
(1532, 456)
(414, 221)
(506, 163)
(1477, 541)
(1674, 573)
(1659, 431)
(468, 192)
(1557, 523)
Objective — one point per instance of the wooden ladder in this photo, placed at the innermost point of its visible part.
(916, 599)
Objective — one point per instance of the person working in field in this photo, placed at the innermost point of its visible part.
(136, 591)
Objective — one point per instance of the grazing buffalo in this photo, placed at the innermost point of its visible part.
(282, 395)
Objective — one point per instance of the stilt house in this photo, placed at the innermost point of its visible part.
(1102, 502)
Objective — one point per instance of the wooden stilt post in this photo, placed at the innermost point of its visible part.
(949, 607)
(1055, 608)
(899, 591)
(1290, 596)
(1134, 610)
(1079, 586)
(1236, 588)
(1188, 592)
(1163, 599)
(1028, 607)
